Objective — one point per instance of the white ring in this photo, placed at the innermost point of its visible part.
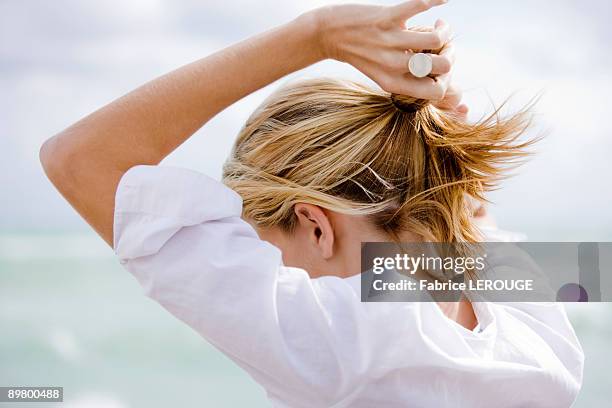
(420, 65)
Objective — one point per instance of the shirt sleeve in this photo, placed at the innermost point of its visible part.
(308, 342)
(180, 234)
(548, 319)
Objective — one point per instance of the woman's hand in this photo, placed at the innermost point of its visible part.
(452, 102)
(374, 39)
(86, 161)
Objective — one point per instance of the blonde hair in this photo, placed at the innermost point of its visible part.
(349, 148)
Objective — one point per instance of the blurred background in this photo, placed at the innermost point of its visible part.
(71, 317)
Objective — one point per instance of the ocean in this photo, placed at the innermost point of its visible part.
(70, 316)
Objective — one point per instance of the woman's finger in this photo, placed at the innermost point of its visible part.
(451, 99)
(397, 61)
(443, 81)
(452, 102)
(440, 63)
(418, 40)
(420, 88)
(448, 50)
(463, 109)
(404, 11)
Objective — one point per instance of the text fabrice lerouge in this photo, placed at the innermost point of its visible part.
(404, 263)
(471, 285)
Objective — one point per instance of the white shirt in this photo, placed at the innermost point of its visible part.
(312, 342)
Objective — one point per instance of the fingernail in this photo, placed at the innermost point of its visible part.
(439, 23)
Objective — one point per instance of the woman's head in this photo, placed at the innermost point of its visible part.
(390, 167)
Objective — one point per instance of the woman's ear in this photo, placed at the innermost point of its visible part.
(316, 225)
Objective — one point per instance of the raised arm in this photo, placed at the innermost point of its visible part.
(86, 161)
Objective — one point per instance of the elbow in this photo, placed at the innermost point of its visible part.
(55, 161)
(44, 155)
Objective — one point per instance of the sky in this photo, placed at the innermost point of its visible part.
(61, 60)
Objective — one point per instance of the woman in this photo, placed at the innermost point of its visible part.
(266, 265)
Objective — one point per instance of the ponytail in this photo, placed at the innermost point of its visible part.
(404, 163)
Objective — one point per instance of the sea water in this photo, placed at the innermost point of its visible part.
(70, 316)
